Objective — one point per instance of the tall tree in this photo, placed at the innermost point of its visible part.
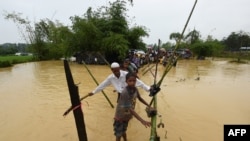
(105, 30)
(46, 38)
(135, 35)
(167, 45)
(207, 48)
(192, 37)
(86, 34)
(175, 36)
(231, 42)
(236, 40)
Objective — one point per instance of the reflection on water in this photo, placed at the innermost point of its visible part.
(33, 97)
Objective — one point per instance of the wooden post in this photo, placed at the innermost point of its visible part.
(75, 101)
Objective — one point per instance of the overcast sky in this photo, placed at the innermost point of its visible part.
(161, 17)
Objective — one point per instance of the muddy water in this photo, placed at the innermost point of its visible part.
(33, 97)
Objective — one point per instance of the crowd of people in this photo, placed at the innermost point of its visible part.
(135, 60)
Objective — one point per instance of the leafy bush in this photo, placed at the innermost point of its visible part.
(6, 61)
(5, 64)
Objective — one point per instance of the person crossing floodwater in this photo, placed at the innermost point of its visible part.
(118, 80)
(125, 108)
(129, 66)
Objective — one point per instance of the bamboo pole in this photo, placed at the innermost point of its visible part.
(150, 67)
(145, 66)
(153, 135)
(104, 59)
(169, 66)
(97, 84)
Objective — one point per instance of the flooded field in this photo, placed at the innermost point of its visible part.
(33, 97)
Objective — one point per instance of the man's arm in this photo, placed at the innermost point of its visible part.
(101, 86)
(139, 83)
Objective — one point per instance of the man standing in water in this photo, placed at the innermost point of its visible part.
(118, 80)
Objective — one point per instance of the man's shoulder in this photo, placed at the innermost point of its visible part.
(110, 76)
(123, 73)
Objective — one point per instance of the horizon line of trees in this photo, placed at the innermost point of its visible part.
(107, 31)
(210, 46)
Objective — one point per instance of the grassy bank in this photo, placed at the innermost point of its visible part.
(241, 55)
(237, 57)
(7, 61)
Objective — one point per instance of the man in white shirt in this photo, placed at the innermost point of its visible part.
(117, 79)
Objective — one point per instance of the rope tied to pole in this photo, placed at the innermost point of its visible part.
(74, 108)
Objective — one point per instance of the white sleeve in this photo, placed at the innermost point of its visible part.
(139, 83)
(102, 85)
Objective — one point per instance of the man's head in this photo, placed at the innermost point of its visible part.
(115, 67)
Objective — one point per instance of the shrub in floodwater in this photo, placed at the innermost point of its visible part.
(5, 64)
(15, 61)
(239, 60)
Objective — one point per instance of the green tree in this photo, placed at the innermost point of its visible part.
(9, 50)
(207, 48)
(135, 35)
(167, 45)
(192, 37)
(85, 34)
(175, 35)
(232, 42)
(115, 42)
(117, 15)
(115, 47)
(51, 39)
(106, 30)
(46, 38)
(236, 40)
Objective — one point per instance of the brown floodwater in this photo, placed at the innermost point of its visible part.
(33, 97)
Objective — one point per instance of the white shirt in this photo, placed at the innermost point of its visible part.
(119, 83)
